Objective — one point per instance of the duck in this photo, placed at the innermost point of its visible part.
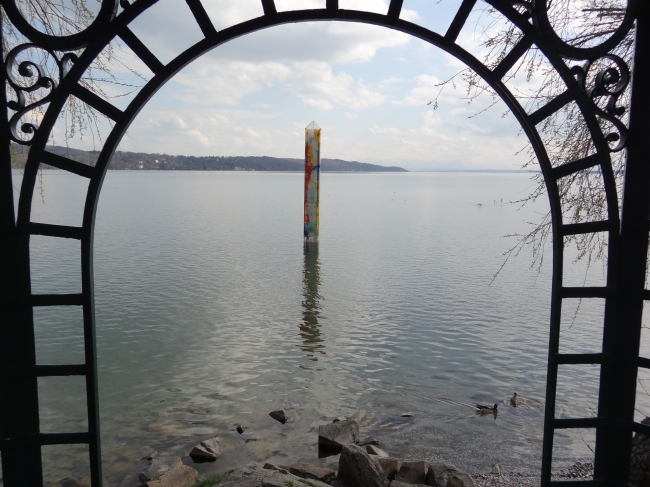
(480, 407)
(514, 401)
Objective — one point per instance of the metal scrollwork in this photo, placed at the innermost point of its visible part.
(34, 78)
(569, 51)
(609, 82)
(72, 42)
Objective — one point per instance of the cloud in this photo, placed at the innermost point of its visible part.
(423, 93)
(226, 82)
(315, 80)
(319, 104)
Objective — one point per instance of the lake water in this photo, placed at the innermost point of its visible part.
(212, 313)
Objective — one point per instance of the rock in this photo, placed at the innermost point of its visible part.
(340, 418)
(307, 471)
(407, 415)
(270, 466)
(150, 457)
(373, 450)
(640, 459)
(252, 475)
(358, 469)
(182, 476)
(412, 473)
(397, 483)
(389, 465)
(339, 434)
(445, 475)
(240, 429)
(280, 415)
(206, 451)
(158, 467)
(496, 469)
(368, 441)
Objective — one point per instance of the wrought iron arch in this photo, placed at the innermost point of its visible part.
(20, 437)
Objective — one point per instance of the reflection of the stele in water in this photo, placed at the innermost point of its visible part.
(311, 309)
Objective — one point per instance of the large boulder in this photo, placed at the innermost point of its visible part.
(640, 463)
(341, 433)
(253, 475)
(412, 473)
(158, 466)
(182, 476)
(445, 475)
(358, 469)
(373, 450)
(308, 471)
(206, 451)
(390, 465)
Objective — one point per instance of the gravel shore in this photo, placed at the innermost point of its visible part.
(578, 471)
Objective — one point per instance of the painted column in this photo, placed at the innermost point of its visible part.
(312, 181)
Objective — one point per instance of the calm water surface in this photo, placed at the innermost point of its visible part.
(211, 313)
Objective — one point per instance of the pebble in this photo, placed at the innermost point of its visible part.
(577, 471)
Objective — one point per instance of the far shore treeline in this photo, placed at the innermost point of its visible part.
(143, 161)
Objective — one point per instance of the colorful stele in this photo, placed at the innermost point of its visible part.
(312, 181)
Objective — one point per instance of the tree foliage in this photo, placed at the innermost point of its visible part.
(67, 17)
(582, 23)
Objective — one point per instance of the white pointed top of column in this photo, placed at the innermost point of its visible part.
(312, 126)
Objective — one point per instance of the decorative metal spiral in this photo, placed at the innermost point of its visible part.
(28, 70)
(609, 82)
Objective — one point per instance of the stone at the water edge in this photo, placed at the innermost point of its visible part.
(640, 463)
(339, 434)
(407, 415)
(358, 469)
(307, 471)
(397, 483)
(158, 466)
(390, 465)
(368, 441)
(206, 451)
(496, 470)
(240, 429)
(373, 450)
(340, 418)
(182, 476)
(412, 473)
(271, 482)
(280, 415)
(270, 466)
(445, 475)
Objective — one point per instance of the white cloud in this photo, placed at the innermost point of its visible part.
(225, 82)
(423, 93)
(314, 80)
(320, 104)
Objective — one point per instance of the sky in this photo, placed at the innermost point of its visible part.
(367, 87)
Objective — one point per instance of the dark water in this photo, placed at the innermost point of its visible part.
(211, 313)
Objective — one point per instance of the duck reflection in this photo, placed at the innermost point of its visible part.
(312, 342)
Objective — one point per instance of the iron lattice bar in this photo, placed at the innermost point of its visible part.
(553, 106)
(459, 20)
(201, 17)
(64, 163)
(624, 307)
(579, 165)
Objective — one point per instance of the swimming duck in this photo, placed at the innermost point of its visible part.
(480, 407)
(514, 401)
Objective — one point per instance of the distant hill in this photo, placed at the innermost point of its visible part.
(143, 161)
